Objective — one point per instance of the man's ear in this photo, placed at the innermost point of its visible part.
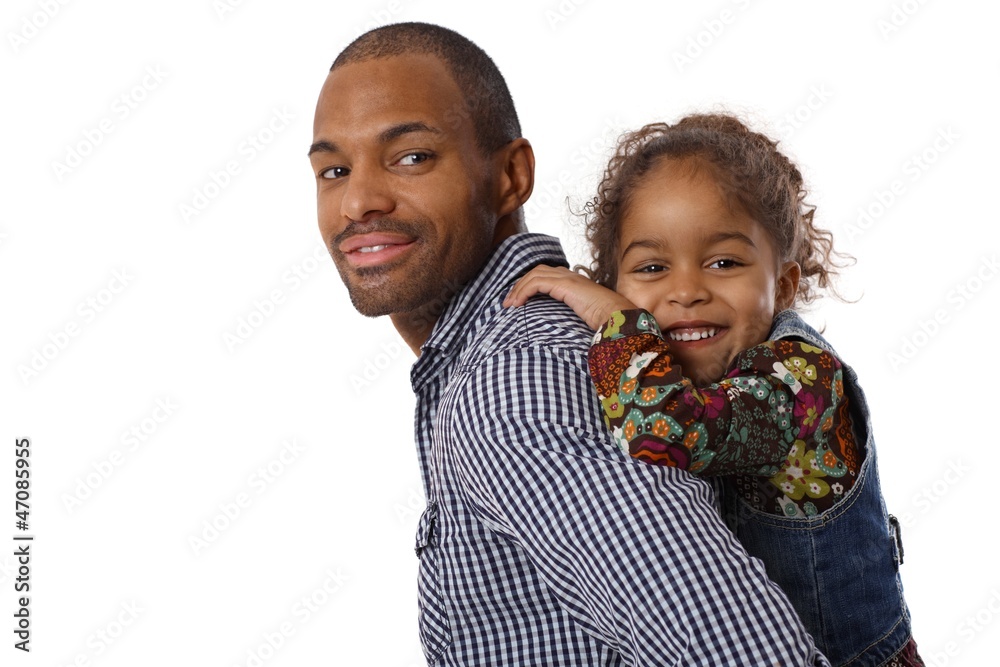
(516, 177)
(787, 286)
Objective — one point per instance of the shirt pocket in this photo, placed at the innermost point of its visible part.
(435, 631)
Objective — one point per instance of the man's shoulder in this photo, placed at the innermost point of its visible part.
(524, 377)
(541, 326)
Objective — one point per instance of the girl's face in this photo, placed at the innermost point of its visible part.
(709, 274)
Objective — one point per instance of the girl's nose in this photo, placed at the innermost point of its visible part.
(686, 286)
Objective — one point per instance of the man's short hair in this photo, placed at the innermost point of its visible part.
(488, 101)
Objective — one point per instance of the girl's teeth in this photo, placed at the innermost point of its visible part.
(692, 335)
(373, 248)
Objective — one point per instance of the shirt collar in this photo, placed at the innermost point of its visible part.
(514, 257)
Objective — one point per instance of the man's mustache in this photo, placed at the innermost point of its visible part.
(389, 225)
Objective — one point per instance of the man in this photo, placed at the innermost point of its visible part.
(542, 544)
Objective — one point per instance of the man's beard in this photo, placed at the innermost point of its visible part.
(375, 300)
(425, 289)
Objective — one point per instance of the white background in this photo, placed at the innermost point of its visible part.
(853, 97)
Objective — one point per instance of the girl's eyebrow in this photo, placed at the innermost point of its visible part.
(717, 237)
(652, 244)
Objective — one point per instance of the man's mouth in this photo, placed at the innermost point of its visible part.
(376, 248)
(373, 242)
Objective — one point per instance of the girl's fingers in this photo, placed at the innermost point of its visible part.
(593, 303)
(539, 280)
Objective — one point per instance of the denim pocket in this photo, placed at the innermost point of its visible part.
(435, 632)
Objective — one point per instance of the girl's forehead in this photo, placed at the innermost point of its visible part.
(670, 191)
(675, 210)
(663, 236)
(680, 168)
(685, 182)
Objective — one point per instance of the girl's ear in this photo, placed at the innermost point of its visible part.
(787, 286)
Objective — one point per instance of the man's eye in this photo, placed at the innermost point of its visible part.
(335, 172)
(413, 159)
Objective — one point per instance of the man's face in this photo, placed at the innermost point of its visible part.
(404, 193)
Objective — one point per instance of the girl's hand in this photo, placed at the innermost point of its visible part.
(593, 303)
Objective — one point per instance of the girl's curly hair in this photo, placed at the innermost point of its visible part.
(751, 171)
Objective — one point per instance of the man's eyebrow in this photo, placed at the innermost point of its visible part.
(384, 137)
(323, 147)
(396, 131)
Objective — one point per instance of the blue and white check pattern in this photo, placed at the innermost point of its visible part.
(542, 543)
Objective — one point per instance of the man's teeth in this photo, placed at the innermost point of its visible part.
(373, 248)
(691, 335)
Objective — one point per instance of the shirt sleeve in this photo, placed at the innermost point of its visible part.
(774, 395)
(636, 554)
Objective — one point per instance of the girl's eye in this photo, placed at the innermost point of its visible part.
(413, 159)
(335, 172)
(651, 268)
(724, 264)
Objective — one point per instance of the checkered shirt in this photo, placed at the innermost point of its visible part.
(543, 544)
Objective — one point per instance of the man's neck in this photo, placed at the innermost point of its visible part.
(415, 326)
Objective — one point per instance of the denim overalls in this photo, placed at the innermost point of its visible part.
(840, 569)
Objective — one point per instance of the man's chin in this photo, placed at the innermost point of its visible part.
(374, 307)
(396, 300)
(372, 294)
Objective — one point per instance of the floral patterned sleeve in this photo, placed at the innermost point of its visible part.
(778, 402)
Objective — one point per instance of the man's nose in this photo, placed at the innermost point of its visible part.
(366, 194)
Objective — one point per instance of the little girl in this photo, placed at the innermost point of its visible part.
(701, 230)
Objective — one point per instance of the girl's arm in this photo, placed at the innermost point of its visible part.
(775, 397)
(593, 303)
